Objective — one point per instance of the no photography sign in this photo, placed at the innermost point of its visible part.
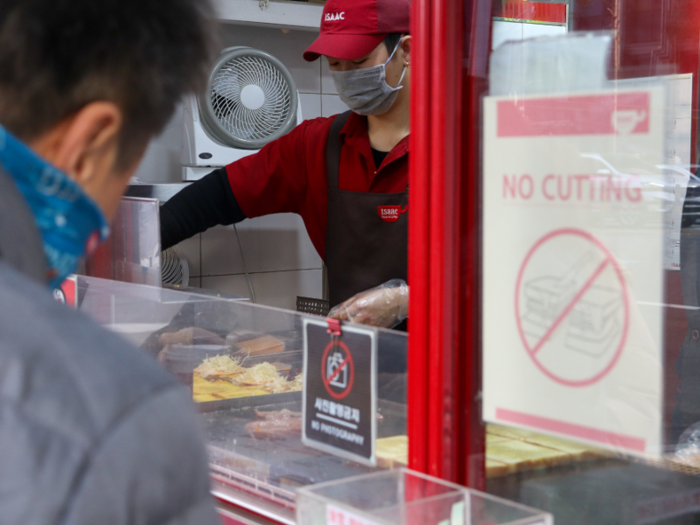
(340, 390)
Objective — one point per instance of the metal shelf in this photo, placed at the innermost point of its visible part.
(280, 14)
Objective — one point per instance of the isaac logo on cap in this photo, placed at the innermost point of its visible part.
(350, 29)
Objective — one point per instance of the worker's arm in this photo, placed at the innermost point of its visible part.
(274, 180)
(202, 205)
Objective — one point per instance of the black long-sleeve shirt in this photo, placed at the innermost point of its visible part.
(200, 206)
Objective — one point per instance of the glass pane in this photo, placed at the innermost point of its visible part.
(408, 498)
(132, 252)
(590, 317)
(243, 364)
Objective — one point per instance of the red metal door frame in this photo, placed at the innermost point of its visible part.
(450, 49)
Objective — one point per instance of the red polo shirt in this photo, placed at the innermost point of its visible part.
(289, 174)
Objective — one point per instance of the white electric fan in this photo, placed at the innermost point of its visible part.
(250, 100)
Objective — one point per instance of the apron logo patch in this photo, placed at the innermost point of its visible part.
(391, 213)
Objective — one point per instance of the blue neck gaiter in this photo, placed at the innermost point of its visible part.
(70, 222)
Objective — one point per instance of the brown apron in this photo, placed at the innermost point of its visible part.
(367, 233)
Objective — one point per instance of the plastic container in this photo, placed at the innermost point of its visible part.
(407, 498)
(181, 360)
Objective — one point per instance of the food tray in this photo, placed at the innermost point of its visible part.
(292, 339)
(294, 358)
(248, 402)
(283, 462)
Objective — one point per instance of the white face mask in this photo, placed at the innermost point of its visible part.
(365, 90)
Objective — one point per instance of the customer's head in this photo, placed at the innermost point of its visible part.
(87, 83)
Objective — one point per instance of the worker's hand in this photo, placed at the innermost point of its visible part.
(384, 306)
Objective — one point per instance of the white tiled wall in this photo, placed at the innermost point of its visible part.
(331, 105)
(161, 163)
(278, 253)
(278, 289)
(310, 105)
(273, 243)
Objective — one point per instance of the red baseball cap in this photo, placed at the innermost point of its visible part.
(352, 28)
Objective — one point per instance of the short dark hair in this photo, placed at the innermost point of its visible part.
(392, 40)
(56, 56)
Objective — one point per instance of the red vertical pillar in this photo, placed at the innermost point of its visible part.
(445, 433)
(444, 129)
(419, 238)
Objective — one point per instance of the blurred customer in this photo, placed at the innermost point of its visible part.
(91, 430)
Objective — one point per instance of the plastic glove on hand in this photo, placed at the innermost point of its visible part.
(384, 306)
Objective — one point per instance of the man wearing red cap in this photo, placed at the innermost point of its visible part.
(347, 176)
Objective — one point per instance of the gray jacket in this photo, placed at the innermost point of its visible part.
(92, 432)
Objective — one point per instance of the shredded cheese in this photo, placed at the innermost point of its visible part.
(281, 385)
(298, 382)
(220, 364)
(261, 374)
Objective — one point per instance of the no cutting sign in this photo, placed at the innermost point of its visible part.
(573, 266)
(572, 307)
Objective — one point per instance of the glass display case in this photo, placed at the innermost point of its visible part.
(403, 497)
(244, 363)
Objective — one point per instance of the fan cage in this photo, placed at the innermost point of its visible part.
(174, 268)
(225, 115)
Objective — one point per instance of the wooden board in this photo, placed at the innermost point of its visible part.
(392, 452)
(508, 450)
(495, 469)
(521, 456)
(578, 451)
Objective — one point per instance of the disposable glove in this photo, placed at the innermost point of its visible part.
(385, 306)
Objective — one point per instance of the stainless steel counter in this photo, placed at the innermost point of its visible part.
(162, 192)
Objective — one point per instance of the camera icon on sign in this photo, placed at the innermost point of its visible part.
(334, 362)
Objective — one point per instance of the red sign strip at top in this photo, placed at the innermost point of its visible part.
(624, 113)
(528, 10)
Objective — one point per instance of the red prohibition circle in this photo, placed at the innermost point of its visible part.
(350, 364)
(625, 299)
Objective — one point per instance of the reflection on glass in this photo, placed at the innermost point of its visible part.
(243, 365)
(590, 316)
